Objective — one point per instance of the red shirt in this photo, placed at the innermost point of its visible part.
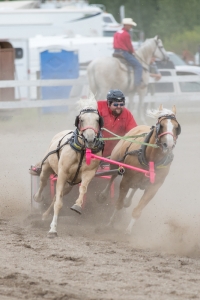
(119, 125)
(122, 40)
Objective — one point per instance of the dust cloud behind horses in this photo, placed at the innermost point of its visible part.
(172, 219)
(107, 264)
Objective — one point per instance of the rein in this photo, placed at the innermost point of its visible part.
(160, 48)
(142, 157)
(127, 138)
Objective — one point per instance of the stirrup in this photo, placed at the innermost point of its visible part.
(35, 170)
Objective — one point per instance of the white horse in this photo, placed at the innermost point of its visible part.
(66, 158)
(109, 73)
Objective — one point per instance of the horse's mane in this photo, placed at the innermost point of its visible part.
(156, 113)
(147, 48)
(89, 102)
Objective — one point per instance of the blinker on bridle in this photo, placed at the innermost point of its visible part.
(172, 117)
(83, 111)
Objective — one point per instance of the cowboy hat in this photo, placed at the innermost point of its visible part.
(128, 21)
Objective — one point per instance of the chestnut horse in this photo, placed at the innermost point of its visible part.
(163, 135)
(66, 158)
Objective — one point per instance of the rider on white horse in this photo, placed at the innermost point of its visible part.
(124, 48)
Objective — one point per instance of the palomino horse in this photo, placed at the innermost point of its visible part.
(66, 159)
(109, 73)
(163, 136)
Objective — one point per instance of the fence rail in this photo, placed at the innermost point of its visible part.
(82, 81)
(51, 82)
(37, 103)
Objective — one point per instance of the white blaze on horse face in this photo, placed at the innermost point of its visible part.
(90, 120)
(169, 137)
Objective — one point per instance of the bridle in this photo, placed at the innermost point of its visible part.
(161, 50)
(158, 125)
(82, 129)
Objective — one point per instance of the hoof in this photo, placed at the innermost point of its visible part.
(101, 198)
(37, 200)
(52, 235)
(76, 208)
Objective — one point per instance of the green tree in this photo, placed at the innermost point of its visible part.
(175, 21)
(162, 17)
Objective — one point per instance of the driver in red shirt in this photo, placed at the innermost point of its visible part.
(116, 118)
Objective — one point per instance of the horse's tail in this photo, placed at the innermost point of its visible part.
(92, 78)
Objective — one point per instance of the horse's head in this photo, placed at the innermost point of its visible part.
(160, 51)
(167, 128)
(89, 122)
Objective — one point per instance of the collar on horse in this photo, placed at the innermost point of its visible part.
(166, 160)
(79, 147)
(141, 154)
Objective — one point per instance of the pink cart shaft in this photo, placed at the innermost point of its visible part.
(150, 173)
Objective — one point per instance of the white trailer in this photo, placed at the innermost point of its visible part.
(23, 22)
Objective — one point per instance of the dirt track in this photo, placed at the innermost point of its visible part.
(161, 260)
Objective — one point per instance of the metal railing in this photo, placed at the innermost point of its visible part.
(82, 81)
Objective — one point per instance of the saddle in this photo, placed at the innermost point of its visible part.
(121, 59)
(123, 63)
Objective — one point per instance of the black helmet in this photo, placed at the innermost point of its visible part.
(115, 96)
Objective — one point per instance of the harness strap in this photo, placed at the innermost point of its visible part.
(75, 145)
(59, 147)
(142, 157)
(77, 171)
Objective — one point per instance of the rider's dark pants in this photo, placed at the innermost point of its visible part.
(134, 63)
